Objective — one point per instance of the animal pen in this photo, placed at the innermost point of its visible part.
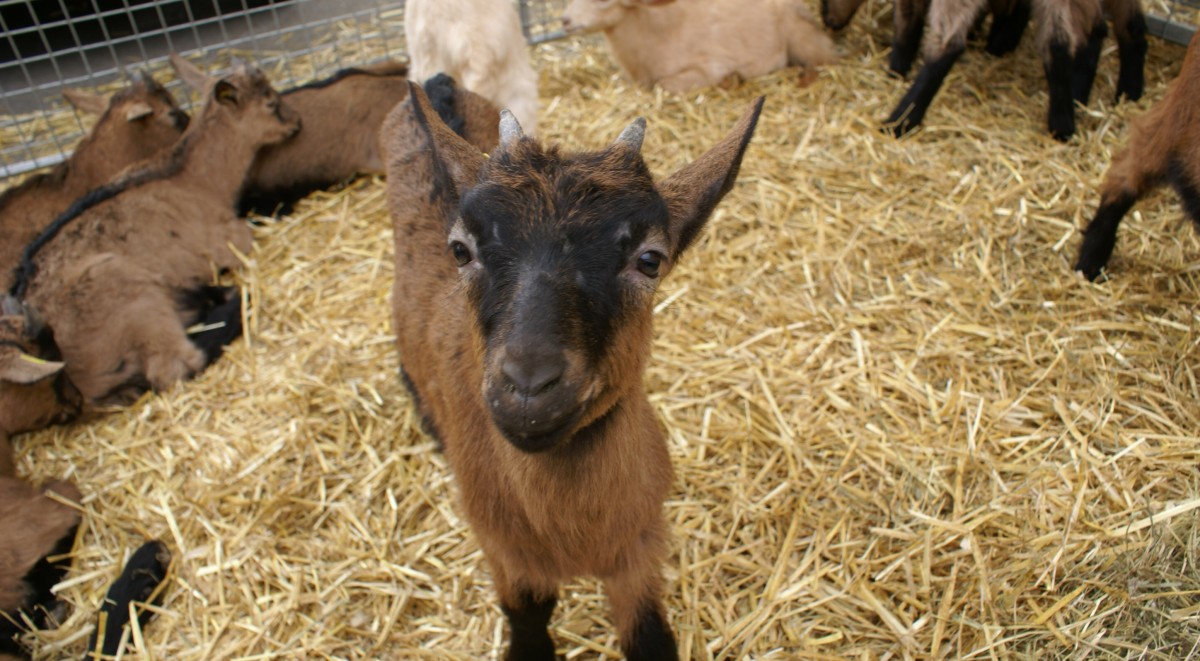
(902, 427)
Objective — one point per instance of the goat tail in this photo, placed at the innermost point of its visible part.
(441, 90)
(808, 45)
(216, 319)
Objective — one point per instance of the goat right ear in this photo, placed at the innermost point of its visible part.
(86, 102)
(693, 192)
(190, 75)
(22, 368)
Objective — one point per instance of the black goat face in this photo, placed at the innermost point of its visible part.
(561, 256)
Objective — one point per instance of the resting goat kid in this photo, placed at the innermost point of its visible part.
(1164, 148)
(1071, 33)
(681, 46)
(34, 391)
(340, 118)
(136, 123)
(123, 273)
(479, 43)
(524, 295)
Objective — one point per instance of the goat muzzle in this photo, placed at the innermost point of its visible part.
(531, 401)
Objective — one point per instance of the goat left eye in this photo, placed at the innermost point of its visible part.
(462, 254)
(649, 263)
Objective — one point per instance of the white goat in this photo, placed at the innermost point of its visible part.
(681, 46)
(480, 44)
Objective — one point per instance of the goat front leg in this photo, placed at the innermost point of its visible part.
(528, 612)
(909, 17)
(640, 617)
(910, 112)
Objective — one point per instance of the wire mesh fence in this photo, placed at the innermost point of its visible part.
(49, 45)
(1173, 20)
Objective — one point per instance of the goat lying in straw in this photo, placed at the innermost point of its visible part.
(121, 274)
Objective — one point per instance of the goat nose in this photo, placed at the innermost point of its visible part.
(531, 375)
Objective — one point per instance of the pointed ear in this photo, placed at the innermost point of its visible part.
(190, 75)
(20, 367)
(418, 128)
(693, 192)
(137, 110)
(86, 101)
(225, 92)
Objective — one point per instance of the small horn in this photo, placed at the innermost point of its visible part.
(633, 134)
(510, 129)
(142, 76)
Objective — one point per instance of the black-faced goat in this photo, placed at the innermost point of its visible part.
(524, 295)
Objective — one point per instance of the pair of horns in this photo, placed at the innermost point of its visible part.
(630, 138)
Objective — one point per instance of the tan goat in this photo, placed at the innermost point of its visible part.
(135, 124)
(681, 46)
(524, 294)
(130, 266)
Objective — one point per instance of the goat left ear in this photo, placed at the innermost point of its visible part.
(693, 192)
(22, 368)
(86, 101)
(189, 74)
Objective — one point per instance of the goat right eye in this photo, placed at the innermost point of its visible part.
(462, 254)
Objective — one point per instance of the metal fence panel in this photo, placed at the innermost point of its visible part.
(47, 45)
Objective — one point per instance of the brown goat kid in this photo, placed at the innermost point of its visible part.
(136, 123)
(122, 275)
(523, 299)
(340, 118)
(1164, 148)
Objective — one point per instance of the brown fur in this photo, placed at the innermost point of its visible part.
(684, 45)
(593, 504)
(1163, 147)
(110, 283)
(33, 523)
(33, 392)
(1169, 131)
(339, 134)
(139, 122)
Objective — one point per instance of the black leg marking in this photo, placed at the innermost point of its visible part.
(427, 425)
(1131, 42)
(1188, 190)
(1086, 61)
(1101, 236)
(1062, 102)
(911, 109)
(905, 45)
(1008, 27)
(528, 621)
(220, 307)
(652, 639)
(146, 569)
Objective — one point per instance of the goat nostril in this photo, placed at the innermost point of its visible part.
(531, 378)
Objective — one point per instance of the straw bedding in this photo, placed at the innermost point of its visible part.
(901, 426)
